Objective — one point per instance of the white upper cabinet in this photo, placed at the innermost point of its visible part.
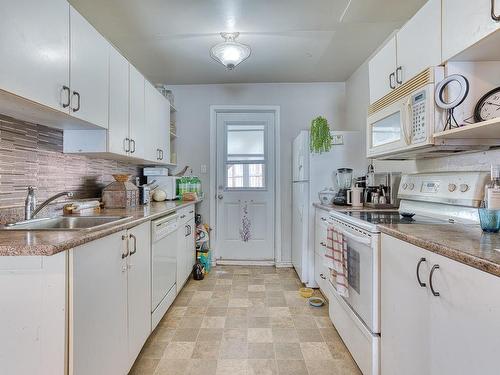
(34, 45)
(466, 22)
(138, 130)
(382, 70)
(158, 124)
(118, 126)
(89, 72)
(419, 42)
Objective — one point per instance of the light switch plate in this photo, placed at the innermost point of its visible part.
(338, 139)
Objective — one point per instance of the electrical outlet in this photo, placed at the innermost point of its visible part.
(203, 168)
(338, 139)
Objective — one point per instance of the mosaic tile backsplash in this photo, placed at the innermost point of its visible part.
(31, 154)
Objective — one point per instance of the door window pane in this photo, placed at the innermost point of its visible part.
(245, 156)
(245, 142)
(245, 176)
(387, 130)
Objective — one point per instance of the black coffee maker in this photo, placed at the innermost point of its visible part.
(344, 182)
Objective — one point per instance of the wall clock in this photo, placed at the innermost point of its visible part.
(488, 107)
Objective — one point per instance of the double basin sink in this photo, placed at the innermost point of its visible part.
(67, 223)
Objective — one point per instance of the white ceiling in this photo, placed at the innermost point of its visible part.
(291, 40)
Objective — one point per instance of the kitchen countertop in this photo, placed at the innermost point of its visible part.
(36, 243)
(466, 244)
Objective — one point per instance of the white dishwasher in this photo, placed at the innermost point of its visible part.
(164, 265)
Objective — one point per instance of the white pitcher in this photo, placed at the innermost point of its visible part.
(355, 197)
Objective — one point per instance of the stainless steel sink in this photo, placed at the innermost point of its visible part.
(63, 223)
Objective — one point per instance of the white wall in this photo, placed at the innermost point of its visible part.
(299, 104)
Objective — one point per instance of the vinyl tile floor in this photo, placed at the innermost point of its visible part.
(245, 320)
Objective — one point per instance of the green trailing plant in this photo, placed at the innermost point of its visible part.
(320, 139)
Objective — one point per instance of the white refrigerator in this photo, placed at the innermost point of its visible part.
(311, 173)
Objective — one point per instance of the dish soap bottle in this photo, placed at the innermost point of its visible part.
(492, 194)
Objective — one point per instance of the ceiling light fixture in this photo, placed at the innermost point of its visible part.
(230, 53)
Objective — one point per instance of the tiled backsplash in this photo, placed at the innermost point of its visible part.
(31, 154)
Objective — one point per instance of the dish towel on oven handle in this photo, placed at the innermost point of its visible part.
(336, 256)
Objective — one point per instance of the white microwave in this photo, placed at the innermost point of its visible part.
(402, 124)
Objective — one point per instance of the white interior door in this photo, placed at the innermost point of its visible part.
(245, 186)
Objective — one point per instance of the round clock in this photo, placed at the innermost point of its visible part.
(488, 107)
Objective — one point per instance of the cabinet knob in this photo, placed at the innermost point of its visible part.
(322, 276)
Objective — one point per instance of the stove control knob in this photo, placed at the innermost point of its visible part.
(464, 188)
(405, 185)
(411, 186)
(452, 188)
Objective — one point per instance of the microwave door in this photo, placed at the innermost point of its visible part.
(386, 130)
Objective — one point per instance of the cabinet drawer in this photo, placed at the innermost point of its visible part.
(186, 214)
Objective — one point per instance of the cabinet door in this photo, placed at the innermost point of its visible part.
(182, 233)
(138, 130)
(381, 66)
(118, 128)
(164, 130)
(98, 310)
(465, 323)
(404, 309)
(34, 43)
(153, 121)
(89, 72)
(419, 42)
(190, 254)
(139, 288)
(466, 22)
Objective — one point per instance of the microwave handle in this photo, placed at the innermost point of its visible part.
(405, 125)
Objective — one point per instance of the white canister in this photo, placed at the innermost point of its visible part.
(355, 197)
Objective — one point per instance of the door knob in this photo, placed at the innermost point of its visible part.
(220, 196)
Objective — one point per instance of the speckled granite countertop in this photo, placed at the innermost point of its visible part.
(20, 242)
(467, 244)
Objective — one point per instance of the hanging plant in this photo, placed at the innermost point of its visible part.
(320, 137)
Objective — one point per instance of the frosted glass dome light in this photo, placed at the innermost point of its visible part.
(230, 53)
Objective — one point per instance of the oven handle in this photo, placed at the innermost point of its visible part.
(359, 239)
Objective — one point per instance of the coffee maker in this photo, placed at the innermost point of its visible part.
(344, 181)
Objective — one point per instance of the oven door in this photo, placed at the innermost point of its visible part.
(362, 273)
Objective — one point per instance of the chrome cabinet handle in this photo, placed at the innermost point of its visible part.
(322, 276)
(322, 244)
(186, 230)
(68, 96)
(160, 153)
(422, 260)
(399, 75)
(191, 212)
(494, 16)
(434, 268)
(133, 144)
(183, 216)
(392, 77)
(126, 243)
(157, 154)
(126, 144)
(135, 244)
(77, 94)
(220, 196)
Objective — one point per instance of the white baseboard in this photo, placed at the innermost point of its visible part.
(245, 262)
(284, 265)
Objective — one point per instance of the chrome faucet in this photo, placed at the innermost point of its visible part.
(30, 209)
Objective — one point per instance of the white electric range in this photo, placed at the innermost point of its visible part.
(434, 199)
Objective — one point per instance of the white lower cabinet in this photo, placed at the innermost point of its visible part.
(455, 332)
(185, 245)
(98, 307)
(321, 272)
(139, 289)
(110, 296)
